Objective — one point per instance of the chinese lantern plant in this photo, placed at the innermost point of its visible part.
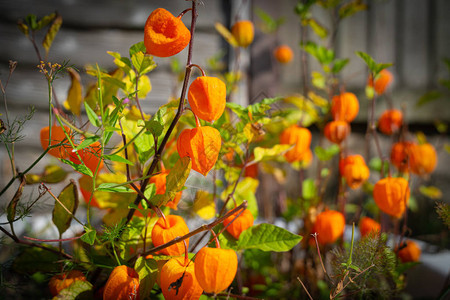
(215, 268)
(166, 229)
(122, 284)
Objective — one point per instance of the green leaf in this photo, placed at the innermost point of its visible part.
(33, 260)
(351, 8)
(114, 187)
(66, 207)
(142, 63)
(368, 59)
(175, 181)
(318, 29)
(323, 55)
(309, 190)
(92, 116)
(51, 33)
(325, 154)
(154, 127)
(226, 240)
(268, 237)
(78, 290)
(150, 191)
(318, 80)
(147, 270)
(428, 97)
(123, 63)
(79, 168)
(87, 141)
(118, 158)
(339, 64)
(53, 174)
(31, 20)
(12, 206)
(89, 236)
(45, 21)
(138, 47)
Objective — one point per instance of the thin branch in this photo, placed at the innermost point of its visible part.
(304, 287)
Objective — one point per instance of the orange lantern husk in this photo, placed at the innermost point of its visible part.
(390, 121)
(300, 138)
(215, 268)
(122, 284)
(91, 156)
(207, 97)
(422, 158)
(57, 137)
(160, 184)
(202, 146)
(164, 34)
(166, 230)
(354, 169)
(400, 153)
(337, 131)
(244, 221)
(345, 107)
(391, 194)
(330, 226)
(410, 253)
(59, 282)
(244, 32)
(173, 270)
(368, 225)
(382, 81)
(283, 54)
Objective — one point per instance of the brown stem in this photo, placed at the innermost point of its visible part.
(196, 231)
(304, 287)
(180, 110)
(198, 67)
(52, 241)
(183, 12)
(320, 257)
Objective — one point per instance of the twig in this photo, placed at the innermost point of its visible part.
(52, 241)
(320, 258)
(304, 287)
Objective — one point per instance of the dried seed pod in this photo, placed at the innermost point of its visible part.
(207, 97)
(122, 284)
(166, 230)
(59, 282)
(345, 107)
(243, 31)
(337, 131)
(244, 221)
(215, 268)
(330, 226)
(164, 34)
(202, 146)
(178, 281)
(390, 121)
(57, 137)
(391, 194)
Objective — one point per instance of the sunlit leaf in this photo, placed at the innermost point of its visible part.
(309, 190)
(89, 236)
(431, 192)
(74, 96)
(53, 174)
(45, 21)
(114, 187)
(78, 290)
(325, 154)
(204, 205)
(268, 237)
(351, 8)
(78, 167)
(147, 270)
(226, 34)
(51, 33)
(428, 97)
(142, 63)
(117, 158)
(92, 116)
(66, 207)
(175, 181)
(263, 154)
(318, 29)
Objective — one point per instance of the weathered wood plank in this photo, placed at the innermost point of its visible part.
(108, 13)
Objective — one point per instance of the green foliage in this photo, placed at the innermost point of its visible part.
(375, 68)
(443, 210)
(268, 237)
(79, 290)
(147, 270)
(270, 24)
(65, 207)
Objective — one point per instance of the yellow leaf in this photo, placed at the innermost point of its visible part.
(74, 96)
(421, 137)
(276, 151)
(113, 199)
(144, 86)
(226, 34)
(65, 207)
(317, 100)
(431, 192)
(204, 205)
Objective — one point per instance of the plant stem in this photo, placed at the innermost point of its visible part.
(180, 111)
